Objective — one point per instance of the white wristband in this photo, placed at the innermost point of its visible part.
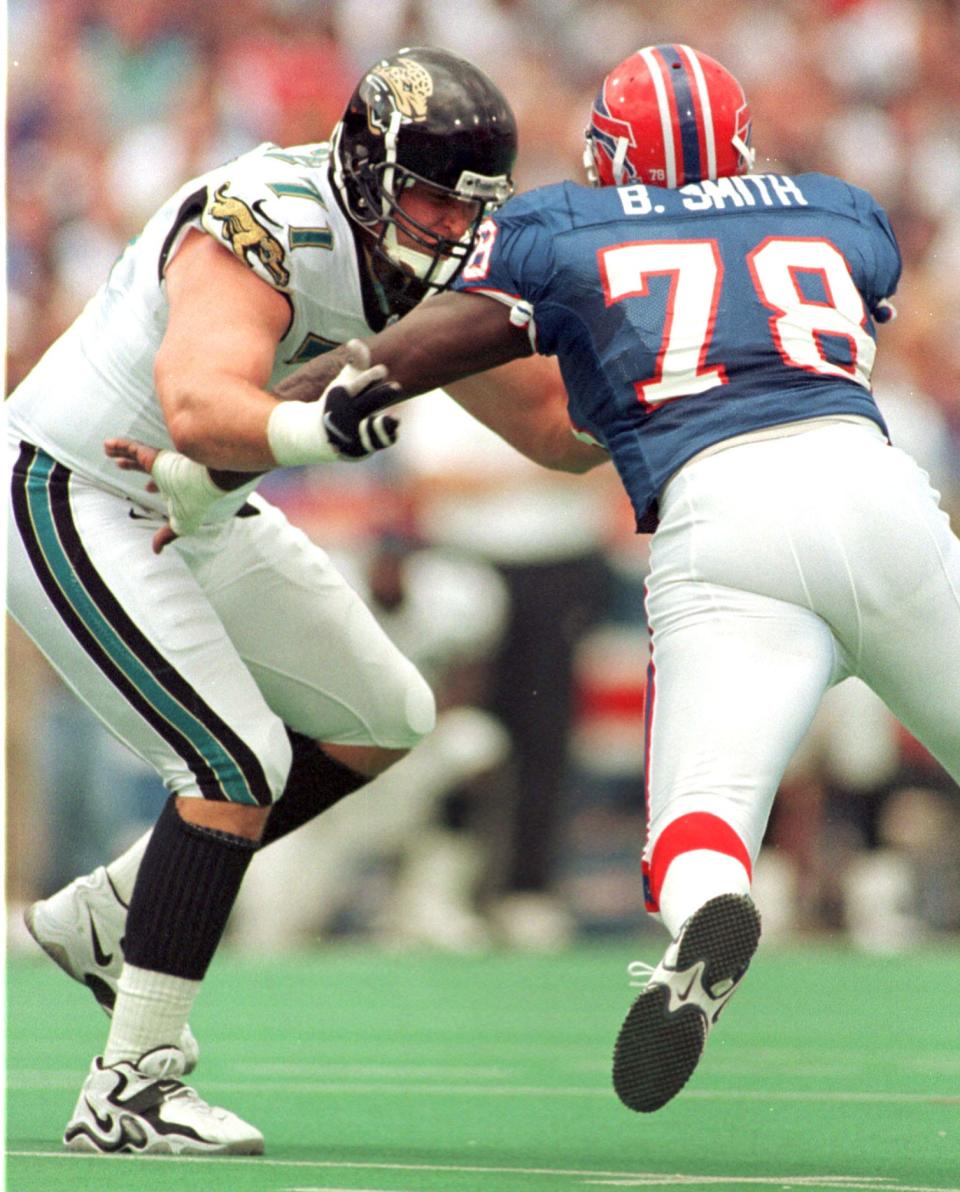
(188, 488)
(296, 436)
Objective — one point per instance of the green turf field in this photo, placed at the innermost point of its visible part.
(420, 1073)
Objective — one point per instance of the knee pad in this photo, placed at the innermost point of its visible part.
(406, 710)
(316, 781)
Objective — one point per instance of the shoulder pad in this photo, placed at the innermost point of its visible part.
(265, 205)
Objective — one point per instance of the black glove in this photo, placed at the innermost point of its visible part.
(345, 423)
(352, 420)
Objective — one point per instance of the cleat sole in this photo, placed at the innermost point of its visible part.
(725, 932)
(658, 1048)
(656, 1051)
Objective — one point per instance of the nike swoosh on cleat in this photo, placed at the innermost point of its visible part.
(682, 997)
(130, 1136)
(106, 1124)
(104, 959)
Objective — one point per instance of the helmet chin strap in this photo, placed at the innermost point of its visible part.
(390, 157)
(619, 157)
(749, 155)
(589, 165)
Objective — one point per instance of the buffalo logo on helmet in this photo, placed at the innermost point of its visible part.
(607, 132)
(246, 234)
(403, 86)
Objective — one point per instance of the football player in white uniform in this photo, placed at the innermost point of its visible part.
(240, 665)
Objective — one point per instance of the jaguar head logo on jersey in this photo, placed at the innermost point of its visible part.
(666, 116)
(403, 85)
(246, 234)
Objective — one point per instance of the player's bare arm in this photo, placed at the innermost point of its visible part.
(442, 343)
(216, 357)
(218, 352)
(469, 345)
(445, 338)
(525, 403)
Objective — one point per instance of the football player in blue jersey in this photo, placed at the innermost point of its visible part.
(240, 665)
(716, 331)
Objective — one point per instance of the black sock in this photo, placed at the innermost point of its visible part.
(316, 781)
(185, 889)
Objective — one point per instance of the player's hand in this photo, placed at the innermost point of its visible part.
(132, 456)
(346, 423)
(352, 403)
(185, 485)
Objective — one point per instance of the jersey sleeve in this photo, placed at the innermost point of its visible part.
(511, 262)
(881, 256)
(887, 253)
(266, 208)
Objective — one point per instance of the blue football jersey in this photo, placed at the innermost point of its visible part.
(685, 317)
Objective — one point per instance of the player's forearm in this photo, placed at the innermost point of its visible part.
(225, 423)
(470, 345)
(348, 422)
(310, 379)
(572, 455)
(539, 431)
(236, 456)
(218, 420)
(525, 403)
(445, 339)
(417, 370)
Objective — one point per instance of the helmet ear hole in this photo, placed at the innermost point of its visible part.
(422, 115)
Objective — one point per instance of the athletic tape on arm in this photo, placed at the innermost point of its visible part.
(188, 488)
(296, 435)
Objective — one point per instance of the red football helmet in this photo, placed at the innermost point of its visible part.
(668, 115)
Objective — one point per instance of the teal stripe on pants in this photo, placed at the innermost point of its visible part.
(228, 773)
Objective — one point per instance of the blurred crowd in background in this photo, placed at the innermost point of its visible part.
(518, 592)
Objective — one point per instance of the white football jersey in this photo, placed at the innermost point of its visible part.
(276, 209)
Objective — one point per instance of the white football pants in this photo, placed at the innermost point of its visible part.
(780, 567)
(198, 657)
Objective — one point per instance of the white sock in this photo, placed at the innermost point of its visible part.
(151, 1011)
(123, 871)
(695, 877)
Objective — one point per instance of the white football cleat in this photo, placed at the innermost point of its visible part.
(81, 929)
(143, 1108)
(663, 1035)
